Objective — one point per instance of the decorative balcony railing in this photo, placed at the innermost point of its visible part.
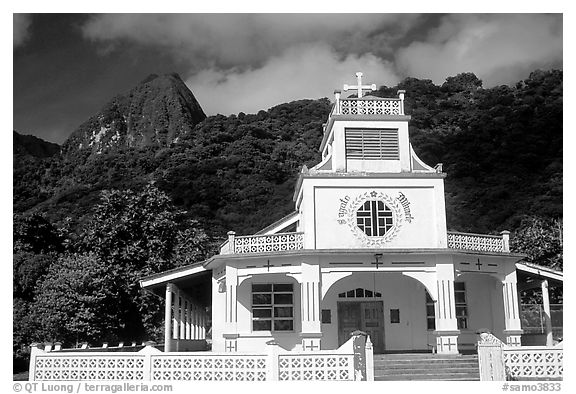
(479, 242)
(262, 243)
(295, 241)
(354, 106)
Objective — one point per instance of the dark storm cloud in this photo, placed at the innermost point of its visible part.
(20, 29)
(248, 40)
(231, 55)
(248, 62)
(499, 48)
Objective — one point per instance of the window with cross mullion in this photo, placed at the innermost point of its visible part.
(374, 218)
(461, 305)
(273, 307)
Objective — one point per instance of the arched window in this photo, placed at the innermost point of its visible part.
(374, 218)
(359, 293)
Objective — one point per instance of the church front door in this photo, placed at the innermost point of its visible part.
(366, 316)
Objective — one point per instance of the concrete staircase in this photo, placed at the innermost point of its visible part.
(425, 366)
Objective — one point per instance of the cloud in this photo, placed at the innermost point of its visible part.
(248, 62)
(307, 71)
(499, 48)
(248, 40)
(21, 28)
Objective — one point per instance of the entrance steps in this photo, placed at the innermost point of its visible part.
(426, 366)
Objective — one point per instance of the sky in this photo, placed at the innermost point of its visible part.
(67, 66)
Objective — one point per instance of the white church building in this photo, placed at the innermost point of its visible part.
(366, 248)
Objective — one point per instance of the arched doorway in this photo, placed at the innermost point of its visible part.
(361, 309)
(389, 306)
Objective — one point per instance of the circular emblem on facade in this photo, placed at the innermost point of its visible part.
(374, 217)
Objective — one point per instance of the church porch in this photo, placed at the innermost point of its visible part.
(434, 310)
(427, 301)
(186, 292)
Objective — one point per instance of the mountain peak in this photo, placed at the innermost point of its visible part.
(149, 78)
(153, 113)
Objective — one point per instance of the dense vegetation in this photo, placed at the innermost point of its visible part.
(501, 148)
(85, 287)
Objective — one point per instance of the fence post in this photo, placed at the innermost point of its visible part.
(491, 358)
(359, 346)
(369, 360)
(47, 346)
(148, 351)
(272, 348)
(35, 349)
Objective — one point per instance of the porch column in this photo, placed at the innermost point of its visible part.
(195, 321)
(182, 317)
(202, 324)
(188, 318)
(513, 328)
(168, 318)
(310, 307)
(176, 317)
(547, 314)
(446, 324)
(231, 310)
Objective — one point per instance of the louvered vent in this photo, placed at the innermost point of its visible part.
(372, 144)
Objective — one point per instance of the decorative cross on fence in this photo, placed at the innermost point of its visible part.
(311, 346)
(231, 346)
(449, 343)
(360, 87)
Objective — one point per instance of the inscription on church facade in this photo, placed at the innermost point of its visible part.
(406, 205)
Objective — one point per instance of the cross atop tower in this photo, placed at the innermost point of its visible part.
(360, 87)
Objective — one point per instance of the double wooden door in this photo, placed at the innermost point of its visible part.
(366, 316)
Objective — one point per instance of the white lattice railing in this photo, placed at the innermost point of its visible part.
(262, 243)
(152, 364)
(373, 106)
(498, 361)
(88, 366)
(317, 366)
(209, 367)
(534, 362)
(478, 242)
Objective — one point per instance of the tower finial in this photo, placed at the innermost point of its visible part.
(359, 86)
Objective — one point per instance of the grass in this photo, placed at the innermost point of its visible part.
(20, 376)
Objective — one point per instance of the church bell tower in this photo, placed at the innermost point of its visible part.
(368, 134)
(370, 191)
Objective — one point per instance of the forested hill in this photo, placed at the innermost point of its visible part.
(33, 147)
(80, 247)
(501, 148)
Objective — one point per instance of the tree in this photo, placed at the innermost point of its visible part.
(77, 301)
(541, 240)
(36, 234)
(94, 293)
(464, 82)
